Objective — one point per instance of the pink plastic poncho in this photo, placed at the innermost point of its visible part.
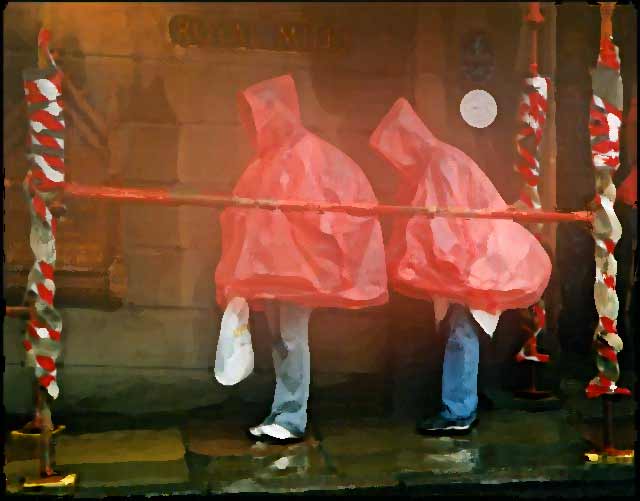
(313, 259)
(487, 265)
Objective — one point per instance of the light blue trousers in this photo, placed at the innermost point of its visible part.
(289, 326)
(460, 368)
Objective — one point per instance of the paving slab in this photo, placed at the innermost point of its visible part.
(347, 451)
(291, 470)
(624, 433)
(223, 457)
(224, 441)
(503, 427)
(378, 435)
(120, 446)
(507, 446)
(113, 459)
(16, 471)
(131, 473)
(373, 451)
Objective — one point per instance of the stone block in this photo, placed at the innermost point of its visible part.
(13, 330)
(98, 79)
(120, 446)
(21, 20)
(139, 475)
(349, 341)
(150, 226)
(153, 153)
(391, 447)
(431, 41)
(140, 338)
(17, 384)
(347, 100)
(113, 389)
(183, 227)
(171, 277)
(505, 427)
(213, 154)
(122, 458)
(135, 391)
(16, 471)
(316, 116)
(200, 229)
(207, 93)
(430, 94)
(115, 36)
(84, 163)
(220, 438)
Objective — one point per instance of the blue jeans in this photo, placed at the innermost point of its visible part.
(289, 326)
(460, 369)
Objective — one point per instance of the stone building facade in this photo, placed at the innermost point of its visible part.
(152, 93)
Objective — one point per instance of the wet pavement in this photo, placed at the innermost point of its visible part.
(349, 449)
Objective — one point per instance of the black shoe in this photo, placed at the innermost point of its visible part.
(438, 425)
(278, 441)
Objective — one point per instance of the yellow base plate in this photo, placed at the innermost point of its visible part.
(621, 457)
(49, 482)
(22, 434)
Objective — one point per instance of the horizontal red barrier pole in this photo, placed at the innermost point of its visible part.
(176, 198)
(167, 197)
(17, 311)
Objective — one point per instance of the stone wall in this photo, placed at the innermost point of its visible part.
(176, 126)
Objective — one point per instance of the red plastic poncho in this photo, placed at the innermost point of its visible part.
(316, 260)
(488, 265)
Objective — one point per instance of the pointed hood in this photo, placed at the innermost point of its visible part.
(269, 111)
(403, 139)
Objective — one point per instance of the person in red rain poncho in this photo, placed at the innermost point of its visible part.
(291, 262)
(480, 267)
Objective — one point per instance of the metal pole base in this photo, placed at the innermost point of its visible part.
(610, 456)
(35, 433)
(52, 481)
(532, 393)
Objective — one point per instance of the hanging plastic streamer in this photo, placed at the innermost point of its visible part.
(605, 118)
(532, 114)
(43, 91)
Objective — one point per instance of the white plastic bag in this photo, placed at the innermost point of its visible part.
(234, 356)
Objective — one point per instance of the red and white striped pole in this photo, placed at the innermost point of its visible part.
(605, 119)
(532, 114)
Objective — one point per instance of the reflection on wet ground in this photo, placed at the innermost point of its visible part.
(346, 448)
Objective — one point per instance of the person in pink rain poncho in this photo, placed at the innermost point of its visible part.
(288, 263)
(469, 269)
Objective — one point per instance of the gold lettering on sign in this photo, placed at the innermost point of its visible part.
(287, 37)
(324, 37)
(179, 29)
(192, 31)
(242, 36)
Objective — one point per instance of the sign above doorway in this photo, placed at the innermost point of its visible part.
(196, 31)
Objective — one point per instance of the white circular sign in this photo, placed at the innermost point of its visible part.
(478, 108)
